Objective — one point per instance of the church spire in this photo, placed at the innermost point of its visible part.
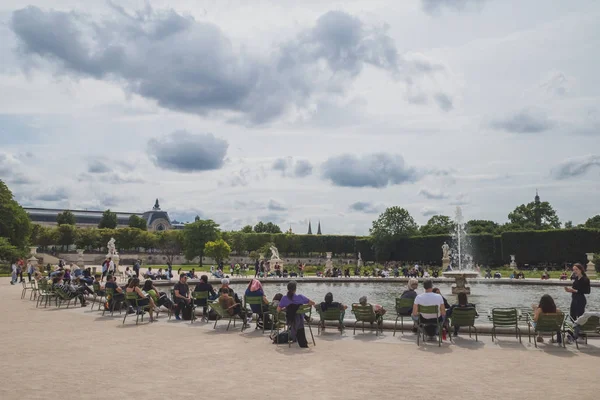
(319, 228)
(309, 228)
(537, 211)
(156, 206)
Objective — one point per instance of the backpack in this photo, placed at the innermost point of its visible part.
(186, 312)
(283, 337)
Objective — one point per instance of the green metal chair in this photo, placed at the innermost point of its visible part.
(99, 295)
(110, 294)
(463, 317)
(306, 311)
(421, 324)
(45, 292)
(402, 304)
(223, 314)
(132, 299)
(279, 322)
(62, 296)
(364, 314)
(256, 301)
(331, 314)
(196, 296)
(592, 325)
(549, 323)
(505, 318)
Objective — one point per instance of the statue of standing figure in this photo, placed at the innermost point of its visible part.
(359, 263)
(275, 253)
(112, 249)
(445, 250)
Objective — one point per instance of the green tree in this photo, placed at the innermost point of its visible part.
(569, 225)
(247, 229)
(524, 216)
(137, 222)
(46, 236)
(15, 225)
(394, 223)
(237, 241)
(109, 220)
(8, 252)
(269, 227)
(170, 243)
(265, 250)
(218, 250)
(593, 223)
(65, 218)
(88, 239)
(437, 225)
(479, 226)
(254, 255)
(196, 235)
(67, 235)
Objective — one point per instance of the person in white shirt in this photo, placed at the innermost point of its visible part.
(111, 266)
(429, 299)
(30, 270)
(13, 275)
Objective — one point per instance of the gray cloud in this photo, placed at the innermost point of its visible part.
(461, 200)
(276, 206)
(184, 152)
(292, 168)
(10, 170)
(435, 6)
(53, 195)
(192, 66)
(365, 207)
(98, 167)
(524, 121)
(428, 212)
(376, 170)
(302, 168)
(576, 167)
(444, 101)
(433, 194)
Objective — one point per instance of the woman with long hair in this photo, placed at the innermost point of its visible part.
(143, 300)
(581, 287)
(290, 303)
(545, 306)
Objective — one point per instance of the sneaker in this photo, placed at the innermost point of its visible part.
(569, 340)
(178, 318)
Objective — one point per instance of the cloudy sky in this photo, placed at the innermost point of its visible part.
(285, 111)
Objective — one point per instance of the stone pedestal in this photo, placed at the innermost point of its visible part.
(445, 263)
(461, 285)
(513, 263)
(590, 266)
(80, 262)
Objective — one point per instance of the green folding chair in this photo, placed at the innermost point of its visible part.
(401, 305)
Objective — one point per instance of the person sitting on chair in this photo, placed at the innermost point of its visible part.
(255, 289)
(545, 306)
(230, 306)
(204, 286)
(429, 298)
(330, 304)
(462, 303)
(376, 307)
(119, 295)
(143, 300)
(181, 295)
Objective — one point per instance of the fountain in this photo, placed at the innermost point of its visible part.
(329, 263)
(461, 273)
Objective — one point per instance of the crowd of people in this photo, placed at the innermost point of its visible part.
(77, 284)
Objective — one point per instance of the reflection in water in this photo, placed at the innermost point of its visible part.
(484, 296)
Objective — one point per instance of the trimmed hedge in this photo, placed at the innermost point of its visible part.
(553, 246)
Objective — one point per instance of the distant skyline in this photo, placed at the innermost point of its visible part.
(289, 111)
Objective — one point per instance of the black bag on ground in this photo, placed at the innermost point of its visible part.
(212, 315)
(186, 312)
(283, 337)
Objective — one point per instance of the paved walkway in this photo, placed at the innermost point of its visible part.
(78, 354)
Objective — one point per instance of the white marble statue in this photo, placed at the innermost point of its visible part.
(112, 249)
(275, 253)
(359, 263)
(445, 250)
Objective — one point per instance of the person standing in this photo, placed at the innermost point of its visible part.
(104, 269)
(581, 287)
(13, 273)
(111, 266)
(30, 270)
(136, 268)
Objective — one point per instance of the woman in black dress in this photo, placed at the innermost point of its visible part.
(581, 287)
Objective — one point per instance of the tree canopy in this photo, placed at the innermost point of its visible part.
(593, 223)
(437, 225)
(109, 220)
(218, 250)
(65, 218)
(524, 216)
(15, 225)
(137, 222)
(269, 227)
(196, 235)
